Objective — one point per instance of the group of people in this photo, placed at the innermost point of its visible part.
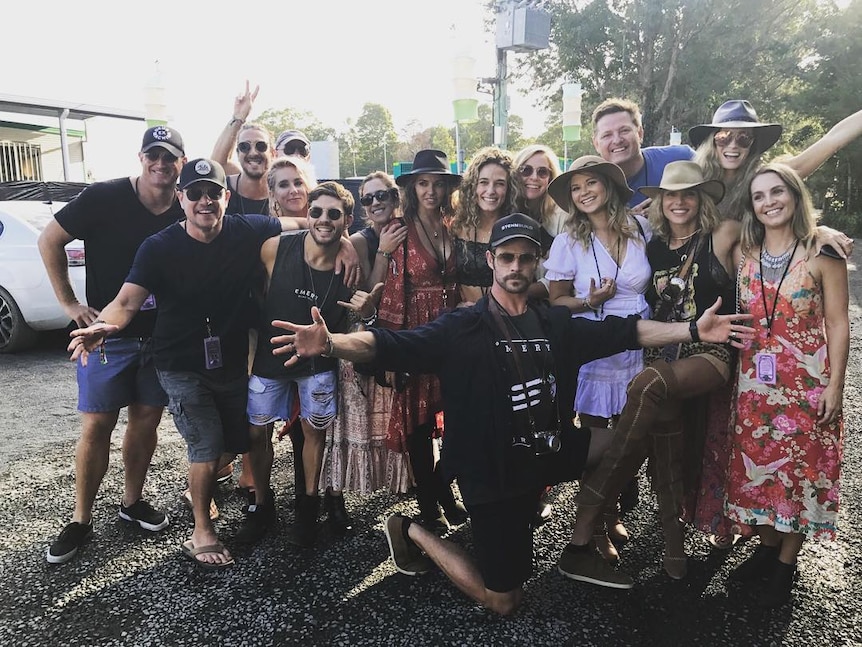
(498, 317)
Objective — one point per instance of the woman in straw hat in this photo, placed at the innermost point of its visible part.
(421, 284)
(691, 258)
(598, 267)
(784, 467)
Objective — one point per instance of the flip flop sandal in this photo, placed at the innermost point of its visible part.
(214, 512)
(192, 553)
(225, 473)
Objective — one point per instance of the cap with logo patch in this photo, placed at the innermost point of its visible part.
(167, 138)
(202, 170)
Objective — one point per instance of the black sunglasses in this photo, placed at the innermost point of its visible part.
(213, 192)
(383, 195)
(725, 137)
(542, 171)
(295, 148)
(507, 258)
(259, 146)
(154, 155)
(332, 213)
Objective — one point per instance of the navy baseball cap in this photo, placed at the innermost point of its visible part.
(516, 225)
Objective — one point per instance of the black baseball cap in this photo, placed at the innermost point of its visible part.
(516, 225)
(202, 170)
(167, 138)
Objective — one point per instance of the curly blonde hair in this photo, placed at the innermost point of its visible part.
(467, 215)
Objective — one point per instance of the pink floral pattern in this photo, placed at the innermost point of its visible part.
(784, 466)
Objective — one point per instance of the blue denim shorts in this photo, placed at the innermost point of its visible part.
(272, 399)
(209, 414)
(129, 377)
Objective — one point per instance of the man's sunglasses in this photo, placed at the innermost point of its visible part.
(542, 171)
(259, 146)
(725, 137)
(295, 148)
(383, 195)
(332, 213)
(154, 155)
(507, 258)
(195, 193)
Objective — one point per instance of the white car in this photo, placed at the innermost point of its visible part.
(27, 301)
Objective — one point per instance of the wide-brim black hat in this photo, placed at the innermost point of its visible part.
(430, 161)
(737, 113)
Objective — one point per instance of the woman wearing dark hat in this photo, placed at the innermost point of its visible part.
(486, 193)
(598, 267)
(691, 256)
(730, 149)
(420, 285)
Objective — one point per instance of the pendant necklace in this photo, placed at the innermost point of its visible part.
(320, 304)
(599, 314)
(440, 263)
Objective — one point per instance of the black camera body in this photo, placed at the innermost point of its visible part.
(545, 442)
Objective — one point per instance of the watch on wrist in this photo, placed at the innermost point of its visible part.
(692, 329)
(235, 120)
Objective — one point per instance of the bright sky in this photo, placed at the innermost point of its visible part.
(326, 56)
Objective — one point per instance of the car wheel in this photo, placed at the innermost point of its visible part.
(15, 334)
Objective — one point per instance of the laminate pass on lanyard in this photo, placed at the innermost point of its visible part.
(212, 349)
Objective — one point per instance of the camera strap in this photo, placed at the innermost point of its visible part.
(667, 305)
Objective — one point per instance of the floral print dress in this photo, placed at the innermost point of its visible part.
(784, 466)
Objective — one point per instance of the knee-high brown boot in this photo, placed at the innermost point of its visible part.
(646, 396)
(668, 449)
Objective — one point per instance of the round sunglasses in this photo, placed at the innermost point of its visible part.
(542, 171)
(259, 146)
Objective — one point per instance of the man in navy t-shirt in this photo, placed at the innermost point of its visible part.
(617, 136)
(200, 271)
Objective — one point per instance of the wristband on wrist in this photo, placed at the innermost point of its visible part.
(386, 255)
(588, 304)
(327, 347)
(370, 319)
(692, 329)
(235, 120)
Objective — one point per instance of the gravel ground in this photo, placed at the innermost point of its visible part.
(130, 587)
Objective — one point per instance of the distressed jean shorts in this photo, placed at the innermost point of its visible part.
(272, 399)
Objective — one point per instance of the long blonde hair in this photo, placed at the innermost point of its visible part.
(547, 207)
(580, 228)
(804, 221)
(736, 196)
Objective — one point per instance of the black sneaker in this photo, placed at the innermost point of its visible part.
(405, 553)
(145, 515)
(584, 564)
(66, 545)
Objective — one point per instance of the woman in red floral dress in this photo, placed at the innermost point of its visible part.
(787, 426)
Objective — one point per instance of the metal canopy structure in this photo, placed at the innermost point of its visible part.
(63, 110)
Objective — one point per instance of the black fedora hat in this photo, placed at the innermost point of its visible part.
(737, 113)
(430, 161)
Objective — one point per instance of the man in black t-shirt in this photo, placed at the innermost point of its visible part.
(113, 218)
(301, 273)
(200, 271)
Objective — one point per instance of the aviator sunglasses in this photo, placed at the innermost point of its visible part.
(332, 213)
(507, 258)
(155, 154)
(383, 195)
(542, 171)
(195, 193)
(725, 137)
(259, 146)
